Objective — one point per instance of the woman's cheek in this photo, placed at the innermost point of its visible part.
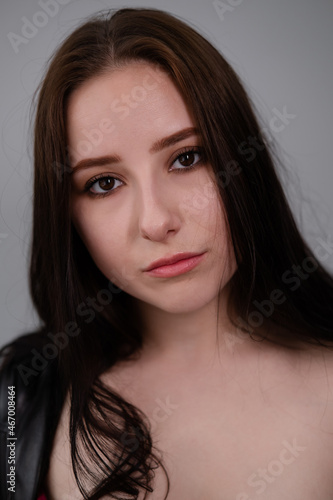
(123, 275)
(200, 203)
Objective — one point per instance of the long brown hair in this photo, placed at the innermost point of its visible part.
(112, 449)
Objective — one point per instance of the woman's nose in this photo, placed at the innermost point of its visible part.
(158, 215)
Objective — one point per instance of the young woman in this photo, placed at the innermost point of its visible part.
(187, 327)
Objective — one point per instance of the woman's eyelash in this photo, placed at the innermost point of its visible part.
(186, 152)
(93, 181)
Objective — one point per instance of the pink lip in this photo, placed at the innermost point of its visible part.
(177, 264)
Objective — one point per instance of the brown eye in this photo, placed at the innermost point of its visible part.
(187, 159)
(103, 185)
(106, 182)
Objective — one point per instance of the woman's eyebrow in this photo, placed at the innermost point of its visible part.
(173, 139)
(155, 148)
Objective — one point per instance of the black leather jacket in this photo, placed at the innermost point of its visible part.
(37, 409)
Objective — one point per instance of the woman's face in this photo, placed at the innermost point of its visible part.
(152, 194)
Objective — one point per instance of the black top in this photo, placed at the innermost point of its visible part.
(38, 404)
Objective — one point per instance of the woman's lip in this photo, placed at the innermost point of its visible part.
(180, 266)
(171, 260)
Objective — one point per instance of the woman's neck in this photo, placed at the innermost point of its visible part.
(194, 336)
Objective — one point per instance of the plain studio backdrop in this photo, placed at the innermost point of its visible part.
(282, 52)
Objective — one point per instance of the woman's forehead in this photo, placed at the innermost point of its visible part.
(136, 79)
(137, 100)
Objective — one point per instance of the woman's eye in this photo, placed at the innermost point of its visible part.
(188, 159)
(106, 184)
(102, 185)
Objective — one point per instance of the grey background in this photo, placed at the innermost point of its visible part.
(282, 51)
